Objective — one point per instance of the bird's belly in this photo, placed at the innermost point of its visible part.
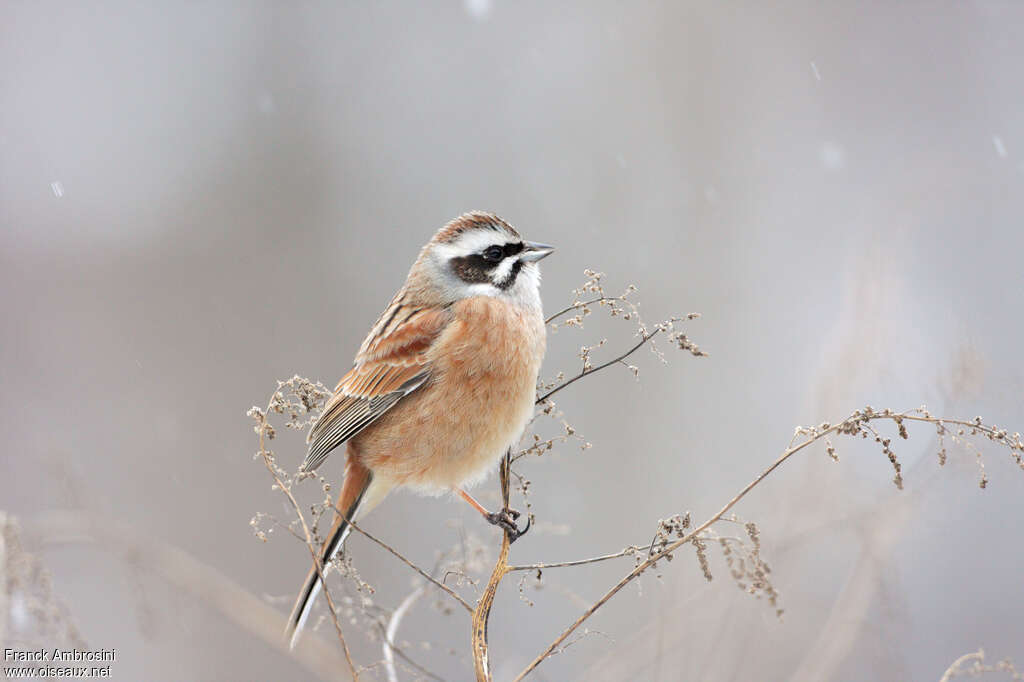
(442, 446)
(453, 431)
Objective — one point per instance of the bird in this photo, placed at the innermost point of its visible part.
(442, 386)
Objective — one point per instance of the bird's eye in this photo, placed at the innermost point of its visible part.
(493, 254)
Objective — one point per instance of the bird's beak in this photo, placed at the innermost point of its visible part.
(532, 251)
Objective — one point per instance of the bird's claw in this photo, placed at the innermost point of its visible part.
(506, 519)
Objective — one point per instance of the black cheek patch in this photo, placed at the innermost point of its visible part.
(472, 269)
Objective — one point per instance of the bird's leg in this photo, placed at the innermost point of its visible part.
(506, 519)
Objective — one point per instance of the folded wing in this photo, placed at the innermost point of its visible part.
(391, 364)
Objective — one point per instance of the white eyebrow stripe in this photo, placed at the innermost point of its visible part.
(473, 242)
(478, 240)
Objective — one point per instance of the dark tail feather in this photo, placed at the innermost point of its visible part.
(357, 480)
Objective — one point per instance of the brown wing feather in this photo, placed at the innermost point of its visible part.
(391, 364)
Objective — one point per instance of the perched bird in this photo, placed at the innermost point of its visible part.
(444, 383)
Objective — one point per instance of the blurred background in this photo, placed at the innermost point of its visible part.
(198, 199)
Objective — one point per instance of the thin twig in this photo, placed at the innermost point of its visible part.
(317, 564)
(629, 551)
(577, 305)
(587, 372)
(481, 661)
(392, 630)
(423, 574)
(643, 566)
(857, 418)
(954, 668)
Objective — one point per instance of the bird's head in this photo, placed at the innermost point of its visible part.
(479, 254)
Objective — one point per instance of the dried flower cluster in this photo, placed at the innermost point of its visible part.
(742, 555)
(591, 293)
(750, 571)
(860, 424)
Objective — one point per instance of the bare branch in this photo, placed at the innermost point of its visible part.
(392, 631)
(577, 305)
(587, 372)
(852, 425)
(432, 580)
(481, 660)
(979, 667)
(632, 550)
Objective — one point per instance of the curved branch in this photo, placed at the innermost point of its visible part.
(392, 631)
(588, 372)
(629, 551)
(855, 420)
(668, 550)
(576, 306)
(954, 667)
(481, 660)
(429, 578)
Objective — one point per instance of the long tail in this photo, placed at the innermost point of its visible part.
(353, 490)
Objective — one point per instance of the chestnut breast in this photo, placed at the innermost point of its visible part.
(454, 429)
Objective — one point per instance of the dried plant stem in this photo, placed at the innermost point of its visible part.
(576, 306)
(392, 631)
(954, 667)
(310, 545)
(979, 667)
(481, 661)
(643, 566)
(429, 578)
(855, 419)
(587, 372)
(629, 551)
(401, 557)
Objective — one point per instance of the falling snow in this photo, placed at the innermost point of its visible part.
(832, 156)
(479, 9)
(997, 142)
(266, 104)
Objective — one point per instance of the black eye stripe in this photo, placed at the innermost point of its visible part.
(509, 249)
(472, 269)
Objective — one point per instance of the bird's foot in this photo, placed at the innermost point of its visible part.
(506, 519)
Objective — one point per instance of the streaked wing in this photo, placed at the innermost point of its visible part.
(391, 364)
